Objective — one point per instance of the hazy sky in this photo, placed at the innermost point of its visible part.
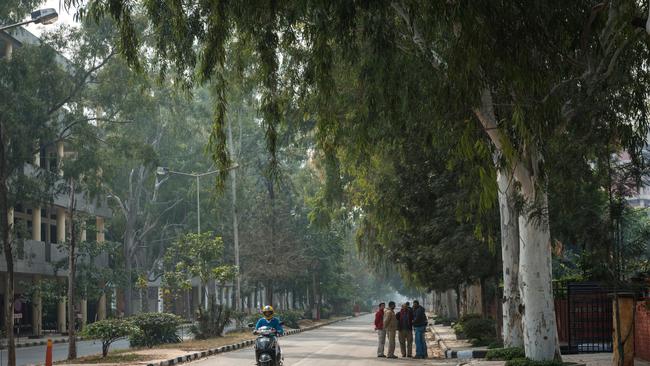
(64, 17)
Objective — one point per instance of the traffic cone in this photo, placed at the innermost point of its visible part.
(48, 353)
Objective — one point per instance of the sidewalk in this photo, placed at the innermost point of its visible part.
(451, 347)
(589, 359)
(462, 349)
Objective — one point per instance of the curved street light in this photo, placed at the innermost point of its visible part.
(41, 16)
(165, 171)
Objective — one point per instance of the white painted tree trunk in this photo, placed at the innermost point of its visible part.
(535, 271)
(512, 327)
(539, 326)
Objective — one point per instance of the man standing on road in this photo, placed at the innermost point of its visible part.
(390, 326)
(420, 326)
(379, 327)
(405, 329)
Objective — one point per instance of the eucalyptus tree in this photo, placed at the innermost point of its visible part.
(155, 126)
(525, 71)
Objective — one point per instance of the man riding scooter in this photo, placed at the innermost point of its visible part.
(269, 320)
(267, 349)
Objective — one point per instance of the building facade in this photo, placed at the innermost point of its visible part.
(39, 232)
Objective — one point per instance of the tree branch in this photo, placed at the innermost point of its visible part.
(416, 35)
(485, 114)
(81, 83)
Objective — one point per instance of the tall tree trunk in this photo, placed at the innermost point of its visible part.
(72, 264)
(8, 250)
(512, 326)
(269, 292)
(128, 288)
(539, 324)
(315, 313)
(235, 223)
(271, 253)
(535, 270)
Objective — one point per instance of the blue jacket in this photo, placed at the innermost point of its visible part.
(273, 323)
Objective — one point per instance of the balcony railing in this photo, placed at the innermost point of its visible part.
(33, 258)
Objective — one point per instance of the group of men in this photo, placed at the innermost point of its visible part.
(388, 322)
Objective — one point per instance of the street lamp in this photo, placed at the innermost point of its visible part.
(164, 171)
(41, 16)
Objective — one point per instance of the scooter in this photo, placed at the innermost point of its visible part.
(267, 349)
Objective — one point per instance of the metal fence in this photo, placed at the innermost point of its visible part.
(584, 317)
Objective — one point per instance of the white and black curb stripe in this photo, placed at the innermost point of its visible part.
(42, 342)
(449, 353)
(467, 354)
(233, 347)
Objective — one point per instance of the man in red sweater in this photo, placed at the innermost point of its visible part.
(379, 327)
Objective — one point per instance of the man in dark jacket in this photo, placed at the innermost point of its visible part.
(405, 328)
(381, 332)
(420, 325)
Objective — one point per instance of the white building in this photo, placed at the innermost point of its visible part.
(45, 228)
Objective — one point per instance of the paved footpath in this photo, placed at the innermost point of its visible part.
(351, 342)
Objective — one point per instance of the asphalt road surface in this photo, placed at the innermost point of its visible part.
(351, 342)
(36, 355)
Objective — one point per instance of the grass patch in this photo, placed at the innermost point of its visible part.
(122, 356)
(528, 362)
(205, 344)
(505, 354)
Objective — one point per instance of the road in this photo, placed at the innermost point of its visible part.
(36, 355)
(350, 342)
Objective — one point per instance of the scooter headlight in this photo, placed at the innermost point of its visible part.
(265, 357)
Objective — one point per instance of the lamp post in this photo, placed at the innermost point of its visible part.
(41, 16)
(165, 171)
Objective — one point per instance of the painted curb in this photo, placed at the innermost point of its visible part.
(467, 354)
(232, 347)
(42, 342)
(450, 353)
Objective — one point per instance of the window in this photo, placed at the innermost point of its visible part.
(53, 234)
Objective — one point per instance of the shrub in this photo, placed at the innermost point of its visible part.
(496, 344)
(505, 354)
(240, 318)
(482, 342)
(443, 320)
(325, 312)
(155, 328)
(468, 317)
(253, 318)
(473, 326)
(291, 318)
(528, 362)
(211, 322)
(108, 331)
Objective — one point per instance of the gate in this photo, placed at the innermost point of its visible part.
(590, 319)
